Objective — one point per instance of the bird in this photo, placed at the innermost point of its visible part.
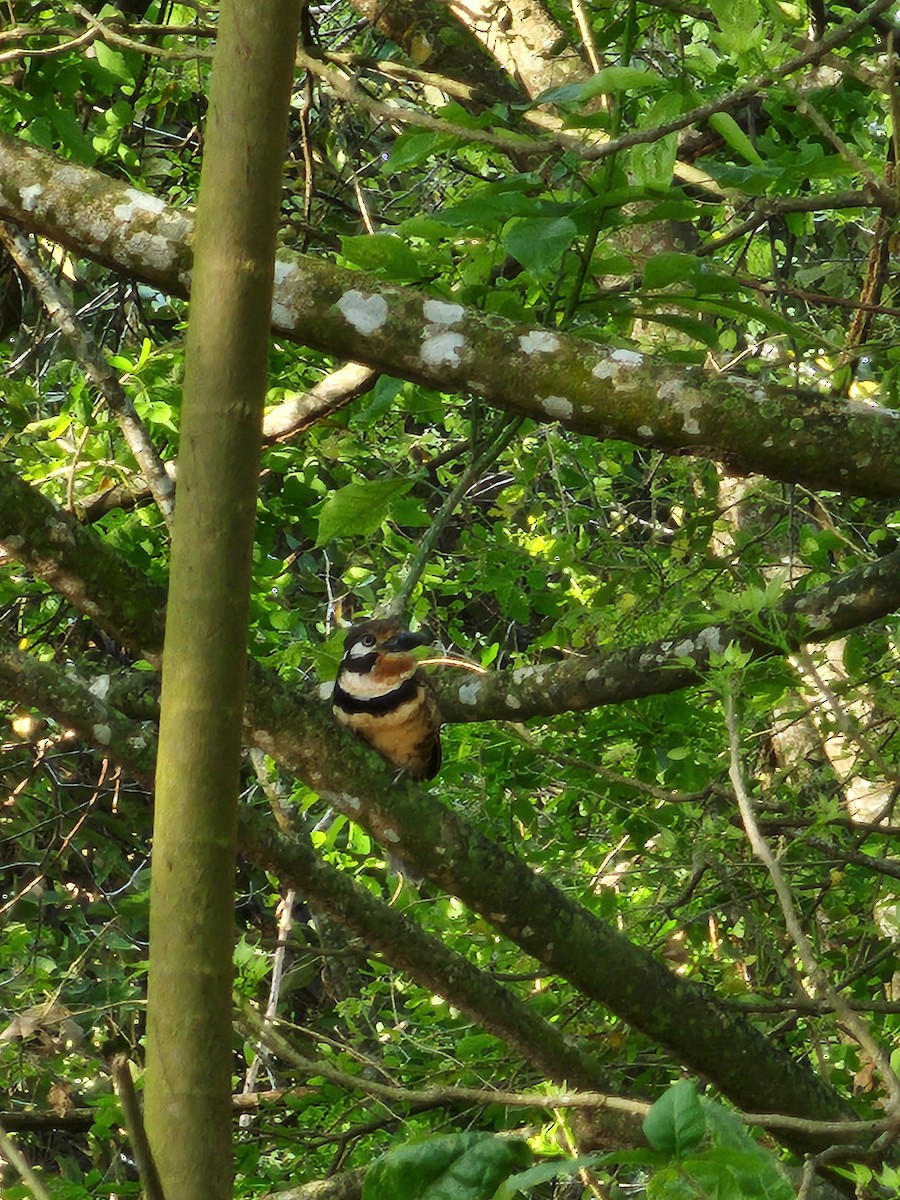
(384, 696)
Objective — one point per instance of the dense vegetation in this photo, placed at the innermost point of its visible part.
(584, 349)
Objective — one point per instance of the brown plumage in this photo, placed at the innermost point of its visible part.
(383, 695)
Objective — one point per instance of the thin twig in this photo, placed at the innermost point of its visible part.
(496, 443)
(587, 34)
(270, 787)
(814, 52)
(851, 1021)
(113, 38)
(84, 39)
(807, 109)
(18, 1160)
(764, 210)
(844, 720)
(134, 1124)
(96, 369)
(250, 1020)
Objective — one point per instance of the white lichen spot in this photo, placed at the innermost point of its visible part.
(513, 701)
(538, 341)
(352, 802)
(557, 407)
(440, 312)
(283, 270)
(441, 348)
(100, 687)
(522, 673)
(527, 931)
(684, 649)
(711, 638)
(768, 442)
(30, 195)
(469, 692)
(391, 835)
(364, 313)
(619, 361)
(863, 461)
(325, 689)
(138, 204)
(593, 673)
(685, 400)
(281, 315)
(102, 735)
(139, 742)
(645, 431)
(151, 248)
(627, 358)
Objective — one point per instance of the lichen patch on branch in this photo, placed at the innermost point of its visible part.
(365, 313)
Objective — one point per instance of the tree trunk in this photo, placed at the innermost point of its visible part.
(188, 1092)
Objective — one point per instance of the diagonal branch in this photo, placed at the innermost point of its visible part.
(802, 437)
(526, 907)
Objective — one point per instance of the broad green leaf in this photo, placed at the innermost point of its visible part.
(384, 393)
(727, 127)
(700, 331)
(652, 165)
(113, 61)
(384, 253)
(416, 146)
(494, 204)
(544, 1172)
(461, 1166)
(610, 79)
(739, 22)
(358, 508)
(676, 1122)
(68, 129)
(537, 243)
(670, 267)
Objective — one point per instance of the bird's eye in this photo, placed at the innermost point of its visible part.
(368, 640)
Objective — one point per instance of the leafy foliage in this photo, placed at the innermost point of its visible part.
(754, 240)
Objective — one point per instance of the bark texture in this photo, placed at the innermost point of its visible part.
(188, 1092)
(607, 391)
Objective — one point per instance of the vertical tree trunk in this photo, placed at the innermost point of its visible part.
(188, 1092)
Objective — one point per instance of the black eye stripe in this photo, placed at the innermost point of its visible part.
(360, 665)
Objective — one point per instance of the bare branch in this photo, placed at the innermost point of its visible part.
(850, 1019)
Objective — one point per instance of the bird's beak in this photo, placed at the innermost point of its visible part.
(405, 639)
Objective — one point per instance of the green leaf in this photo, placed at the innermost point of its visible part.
(524, 1181)
(676, 1123)
(493, 204)
(417, 146)
(462, 1166)
(727, 128)
(539, 243)
(610, 79)
(384, 253)
(653, 165)
(113, 61)
(71, 135)
(700, 331)
(670, 267)
(358, 508)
